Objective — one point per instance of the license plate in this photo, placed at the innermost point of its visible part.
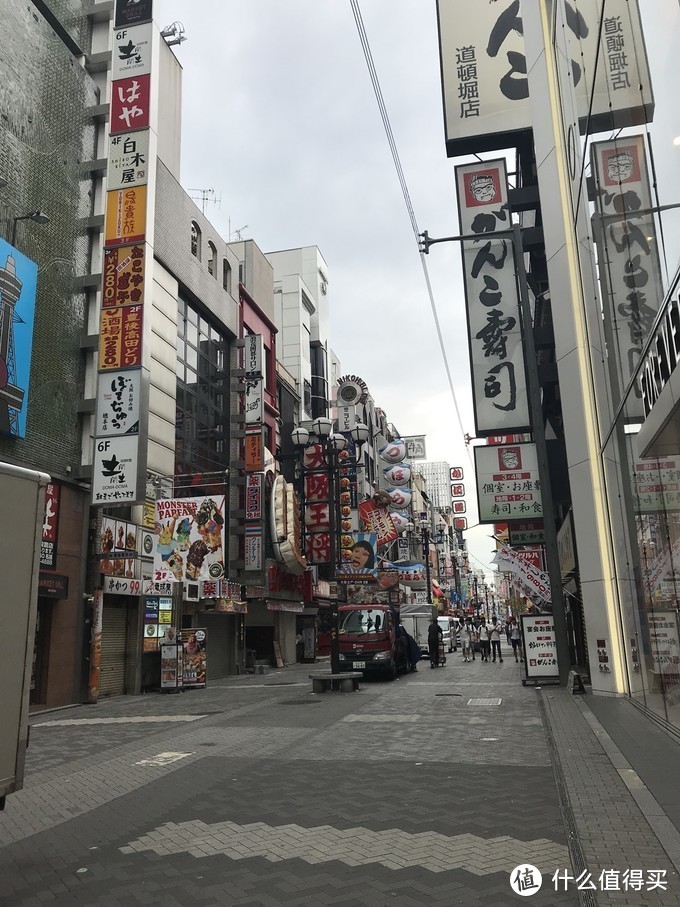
(358, 664)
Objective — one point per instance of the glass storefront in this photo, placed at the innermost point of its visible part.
(630, 174)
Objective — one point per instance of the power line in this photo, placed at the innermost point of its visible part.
(363, 37)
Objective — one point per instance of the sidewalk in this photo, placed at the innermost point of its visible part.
(426, 791)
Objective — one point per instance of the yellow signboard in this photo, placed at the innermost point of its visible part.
(125, 216)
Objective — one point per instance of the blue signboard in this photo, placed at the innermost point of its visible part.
(18, 279)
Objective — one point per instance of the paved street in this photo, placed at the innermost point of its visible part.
(428, 790)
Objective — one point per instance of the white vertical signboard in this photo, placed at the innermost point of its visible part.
(628, 252)
(484, 70)
(508, 484)
(540, 646)
(491, 300)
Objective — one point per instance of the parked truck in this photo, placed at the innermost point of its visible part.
(416, 620)
(22, 505)
(369, 640)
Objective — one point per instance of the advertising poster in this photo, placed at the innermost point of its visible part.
(254, 451)
(114, 470)
(194, 657)
(171, 667)
(663, 642)
(359, 558)
(118, 396)
(123, 283)
(189, 539)
(121, 338)
(540, 646)
(18, 277)
(377, 520)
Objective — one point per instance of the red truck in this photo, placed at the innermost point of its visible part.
(369, 641)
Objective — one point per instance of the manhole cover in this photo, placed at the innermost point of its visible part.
(484, 701)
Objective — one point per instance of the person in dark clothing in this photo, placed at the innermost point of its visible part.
(435, 637)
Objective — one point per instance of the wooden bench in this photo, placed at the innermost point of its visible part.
(347, 682)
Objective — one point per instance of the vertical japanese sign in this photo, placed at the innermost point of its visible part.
(627, 251)
(252, 481)
(50, 530)
(485, 88)
(317, 506)
(121, 420)
(494, 329)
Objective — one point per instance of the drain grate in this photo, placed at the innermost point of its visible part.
(484, 702)
(300, 702)
(448, 694)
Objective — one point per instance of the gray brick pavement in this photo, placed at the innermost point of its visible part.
(292, 764)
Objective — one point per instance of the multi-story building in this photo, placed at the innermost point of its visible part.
(437, 474)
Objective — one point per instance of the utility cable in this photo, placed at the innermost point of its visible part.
(363, 37)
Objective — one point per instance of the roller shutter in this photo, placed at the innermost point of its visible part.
(114, 648)
(221, 630)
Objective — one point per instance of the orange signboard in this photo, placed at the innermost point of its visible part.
(120, 345)
(125, 216)
(254, 451)
(123, 276)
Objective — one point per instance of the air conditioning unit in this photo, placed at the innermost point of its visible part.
(192, 592)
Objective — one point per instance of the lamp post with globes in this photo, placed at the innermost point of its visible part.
(331, 445)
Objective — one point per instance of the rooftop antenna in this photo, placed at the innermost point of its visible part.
(204, 196)
(237, 232)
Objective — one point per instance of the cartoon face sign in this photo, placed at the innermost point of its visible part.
(620, 166)
(509, 458)
(482, 187)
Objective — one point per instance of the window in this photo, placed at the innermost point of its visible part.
(212, 259)
(195, 240)
(226, 275)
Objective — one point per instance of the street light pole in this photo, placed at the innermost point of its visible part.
(538, 427)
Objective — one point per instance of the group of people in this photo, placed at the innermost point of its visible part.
(488, 635)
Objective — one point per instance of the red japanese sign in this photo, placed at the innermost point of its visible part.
(123, 276)
(378, 520)
(319, 548)
(254, 451)
(121, 338)
(254, 496)
(130, 104)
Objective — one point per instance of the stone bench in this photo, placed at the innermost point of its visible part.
(346, 682)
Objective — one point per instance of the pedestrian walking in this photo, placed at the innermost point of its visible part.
(516, 639)
(465, 640)
(484, 643)
(473, 636)
(435, 638)
(507, 629)
(495, 630)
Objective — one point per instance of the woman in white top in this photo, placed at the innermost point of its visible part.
(466, 640)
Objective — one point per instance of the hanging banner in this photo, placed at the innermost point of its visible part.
(497, 366)
(416, 448)
(508, 485)
(484, 71)
(536, 581)
(377, 520)
(627, 252)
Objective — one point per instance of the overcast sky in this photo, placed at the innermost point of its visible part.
(280, 119)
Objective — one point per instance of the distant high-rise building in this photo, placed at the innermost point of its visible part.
(437, 474)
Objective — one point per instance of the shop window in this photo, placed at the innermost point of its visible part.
(226, 275)
(212, 259)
